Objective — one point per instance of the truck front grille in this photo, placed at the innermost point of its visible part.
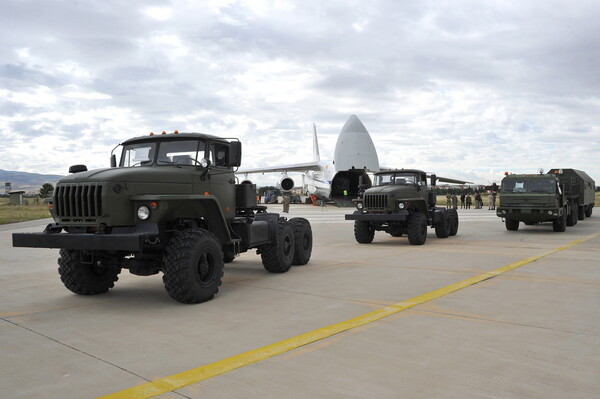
(375, 201)
(78, 202)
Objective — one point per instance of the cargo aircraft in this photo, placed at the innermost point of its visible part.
(338, 180)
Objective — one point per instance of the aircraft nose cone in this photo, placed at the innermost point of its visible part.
(353, 125)
(354, 148)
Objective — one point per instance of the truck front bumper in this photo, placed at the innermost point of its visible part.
(399, 216)
(129, 239)
(533, 215)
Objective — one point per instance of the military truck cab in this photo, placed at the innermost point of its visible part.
(172, 205)
(399, 203)
(534, 199)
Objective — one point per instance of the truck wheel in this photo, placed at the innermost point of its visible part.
(363, 232)
(511, 224)
(193, 266)
(417, 229)
(572, 217)
(228, 254)
(581, 212)
(303, 240)
(277, 256)
(398, 231)
(85, 278)
(588, 210)
(453, 222)
(560, 224)
(442, 228)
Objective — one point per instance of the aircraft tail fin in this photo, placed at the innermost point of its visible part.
(316, 155)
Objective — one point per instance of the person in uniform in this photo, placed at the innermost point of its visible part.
(468, 201)
(286, 203)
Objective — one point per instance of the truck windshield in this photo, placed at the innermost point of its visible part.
(176, 152)
(397, 178)
(528, 186)
(138, 154)
(188, 152)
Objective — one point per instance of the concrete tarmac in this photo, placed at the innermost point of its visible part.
(533, 332)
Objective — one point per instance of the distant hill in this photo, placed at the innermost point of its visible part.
(29, 182)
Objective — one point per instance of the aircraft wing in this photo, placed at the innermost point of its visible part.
(448, 180)
(298, 167)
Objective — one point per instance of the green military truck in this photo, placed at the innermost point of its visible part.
(534, 199)
(579, 189)
(171, 205)
(400, 202)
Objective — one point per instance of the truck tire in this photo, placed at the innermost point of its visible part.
(303, 240)
(417, 229)
(85, 278)
(511, 224)
(581, 212)
(442, 228)
(398, 231)
(277, 256)
(363, 232)
(228, 254)
(560, 224)
(453, 222)
(572, 217)
(193, 266)
(588, 210)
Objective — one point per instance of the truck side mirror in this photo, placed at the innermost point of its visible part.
(235, 153)
(433, 180)
(113, 161)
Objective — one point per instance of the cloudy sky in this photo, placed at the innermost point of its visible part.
(467, 89)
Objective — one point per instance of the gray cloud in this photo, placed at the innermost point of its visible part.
(466, 88)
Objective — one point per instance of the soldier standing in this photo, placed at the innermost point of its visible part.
(286, 203)
(462, 200)
(454, 201)
(468, 200)
(448, 201)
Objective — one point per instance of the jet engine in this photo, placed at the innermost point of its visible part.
(286, 184)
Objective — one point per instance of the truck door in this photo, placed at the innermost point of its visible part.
(222, 180)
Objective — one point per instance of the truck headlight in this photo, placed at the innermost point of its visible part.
(143, 212)
(359, 206)
(401, 205)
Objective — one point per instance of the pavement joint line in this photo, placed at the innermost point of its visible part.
(59, 342)
(193, 376)
(458, 315)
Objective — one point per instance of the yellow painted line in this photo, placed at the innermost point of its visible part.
(177, 381)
